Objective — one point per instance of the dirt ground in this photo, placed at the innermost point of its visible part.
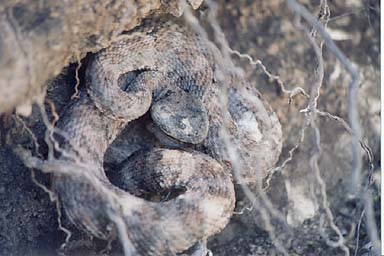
(264, 30)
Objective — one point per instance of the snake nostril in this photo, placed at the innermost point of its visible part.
(181, 126)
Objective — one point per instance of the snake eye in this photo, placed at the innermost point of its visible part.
(125, 80)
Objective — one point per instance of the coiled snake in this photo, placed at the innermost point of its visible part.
(168, 70)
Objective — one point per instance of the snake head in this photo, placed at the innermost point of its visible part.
(182, 116)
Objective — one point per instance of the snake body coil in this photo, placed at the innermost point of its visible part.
(162, 68)
(123, 81)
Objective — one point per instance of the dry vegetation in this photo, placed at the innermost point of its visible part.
(318, 64)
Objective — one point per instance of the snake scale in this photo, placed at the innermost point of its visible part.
(165, 69)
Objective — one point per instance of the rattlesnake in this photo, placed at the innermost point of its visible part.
(164, 68)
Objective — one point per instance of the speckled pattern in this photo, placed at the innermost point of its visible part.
(143, 72)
